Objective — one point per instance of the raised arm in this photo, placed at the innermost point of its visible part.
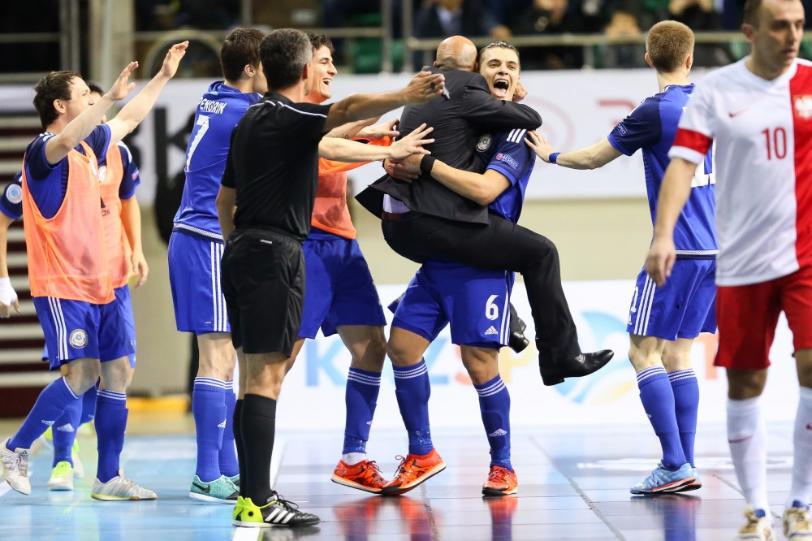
(58, 146)
(591, 157)
(343, 150)
(674, 192)
(423, 87)
(136, 110)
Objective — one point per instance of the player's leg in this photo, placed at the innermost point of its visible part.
(66, 463)
(796, 296)
(684, 385)
(70, 329)
(747, 316)
(482, 365)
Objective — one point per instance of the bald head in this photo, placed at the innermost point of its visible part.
(456, 52)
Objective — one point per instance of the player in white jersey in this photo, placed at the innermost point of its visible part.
(759, 112)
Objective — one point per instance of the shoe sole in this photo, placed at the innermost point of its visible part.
(210, 499)
(352, 484)
(397, 491)
(687, 488)
(265, 525)
(108, 498)
(60, 488)
(667, 488)
(492, 492)
(18, 489)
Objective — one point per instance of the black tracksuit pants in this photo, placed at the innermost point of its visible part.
(501, 245)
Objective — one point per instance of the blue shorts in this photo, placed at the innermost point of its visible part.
(339, 289)
(194, 276)
(682, 308)
(474, 301)
(78, 329)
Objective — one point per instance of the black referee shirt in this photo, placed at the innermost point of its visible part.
(273, 163)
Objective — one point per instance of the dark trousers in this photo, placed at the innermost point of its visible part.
(501, 245)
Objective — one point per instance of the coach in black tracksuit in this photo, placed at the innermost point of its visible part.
(445, 225)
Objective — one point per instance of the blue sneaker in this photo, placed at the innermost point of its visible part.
(664, 480)
(696, 484)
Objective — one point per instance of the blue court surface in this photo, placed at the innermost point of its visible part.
(572, 485)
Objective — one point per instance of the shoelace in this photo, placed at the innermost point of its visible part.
(288, 505)
(800, 518)
(22, 463)
(496, 475)
(372, 465)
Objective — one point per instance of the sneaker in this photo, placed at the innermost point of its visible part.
(119, 488)
(277, 512)
(221, 490)
(696, 484)
(364, 476)
(758, 526)
(78, 467)
(501, 482)
(15, 468)
(413, 471)
(235, 480)
(664, 480)
(61, 476)
(797, 522)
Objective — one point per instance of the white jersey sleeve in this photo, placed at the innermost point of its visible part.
(696, 126)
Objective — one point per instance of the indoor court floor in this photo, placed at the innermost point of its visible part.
(572, 485)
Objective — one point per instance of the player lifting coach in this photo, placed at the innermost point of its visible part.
(271, 177)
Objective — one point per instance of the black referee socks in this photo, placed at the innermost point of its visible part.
(257, 428)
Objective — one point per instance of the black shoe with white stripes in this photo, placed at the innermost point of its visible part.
(276, 512)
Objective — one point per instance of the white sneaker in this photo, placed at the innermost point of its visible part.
(61, 476)
(120, 488)
(797, 522)
(758, 527)
(15, 468)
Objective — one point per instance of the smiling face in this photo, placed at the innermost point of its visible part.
(320, 75)
(500, 67)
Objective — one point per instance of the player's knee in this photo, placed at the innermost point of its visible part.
(674, 361)
(745, 384)
(482, 365)
(401, 354)
(82, 375)
(642, 357)
(544, 252)
(803, 359)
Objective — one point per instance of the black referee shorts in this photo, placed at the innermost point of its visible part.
(263, 284)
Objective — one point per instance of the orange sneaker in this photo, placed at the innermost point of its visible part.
(501, 482)
(412, 471)
(364, 476)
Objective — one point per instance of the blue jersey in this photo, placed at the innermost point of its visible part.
(219, 111)
(12, 196)
(48, 182)
(507, 153)
(652, 126)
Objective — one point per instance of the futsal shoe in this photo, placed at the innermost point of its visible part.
(797, 522)
(120, 488)
(662, 479)
(364, 476)
(758, 527)
(413, 471)
(61, 477)
(276, 512)
(501, 482)
(517, 341)
(577, 366)
(15, 468)
(221, 490)
(696, 484)
(235, 479)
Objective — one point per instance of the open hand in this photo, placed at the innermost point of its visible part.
(540, 145)
(173, 58)
(424, 86)
(122, 86)
(379, 131)
(412, 144)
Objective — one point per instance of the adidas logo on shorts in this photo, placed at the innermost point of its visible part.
(491, 331)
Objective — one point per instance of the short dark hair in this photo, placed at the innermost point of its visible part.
(668, 43)
(284, 54)
(53, 86)
(94, 88)
(240, 47)
(320, 40)
(750, 12)
(497, 45)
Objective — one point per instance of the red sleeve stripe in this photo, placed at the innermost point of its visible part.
(693, 140)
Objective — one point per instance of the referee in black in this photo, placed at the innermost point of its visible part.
(270, 178)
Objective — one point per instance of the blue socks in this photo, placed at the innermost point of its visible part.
(64, 432)
(89, 405)
(228, 452)
(361, 397)
(413, 390)
(658, 401)
(494, 404)
(48, 408)
(111, 420)
(686, 404)
(209, 410)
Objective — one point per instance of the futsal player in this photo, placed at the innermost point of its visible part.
(664, 321)
(756, 111)
(195, 248)
(266, 199)
(69, 273)
(473, 301)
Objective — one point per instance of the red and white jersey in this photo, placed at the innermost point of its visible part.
(763, 135)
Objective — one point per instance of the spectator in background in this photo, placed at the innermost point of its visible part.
(442, 18)
(700, 15)
(623, 23)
